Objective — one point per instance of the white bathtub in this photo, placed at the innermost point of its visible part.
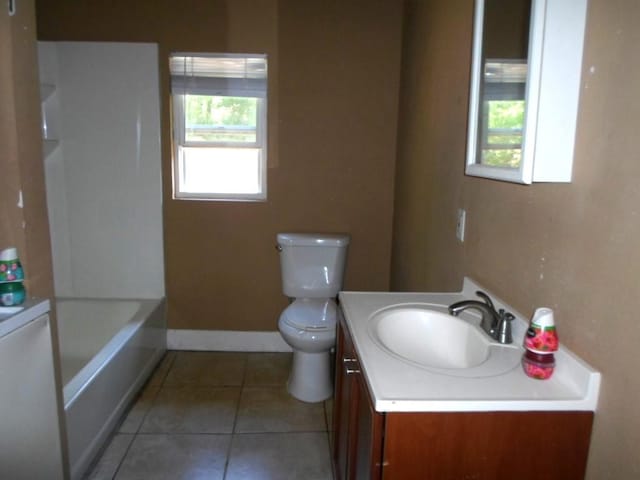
(108, 348)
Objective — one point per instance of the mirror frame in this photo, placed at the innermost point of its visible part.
(556, 37)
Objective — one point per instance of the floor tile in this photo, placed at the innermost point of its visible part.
(170, 457)
(111, 458)
(207, 368)
(272, 409)
(279, 456)
(192, 410)
(141, 406)
(185, 414)
(268, 369)
(328, 409)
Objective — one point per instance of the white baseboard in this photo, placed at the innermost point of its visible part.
(226, 341)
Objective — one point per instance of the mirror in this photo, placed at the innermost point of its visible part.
(505, 43)
(522, 113)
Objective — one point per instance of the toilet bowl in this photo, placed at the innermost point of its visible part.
(312, 268)
(308, 325)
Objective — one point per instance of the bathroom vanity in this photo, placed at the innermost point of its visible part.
(395, 419)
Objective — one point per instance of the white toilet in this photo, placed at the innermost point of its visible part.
(312, 267)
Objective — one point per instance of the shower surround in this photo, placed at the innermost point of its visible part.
(101, 126)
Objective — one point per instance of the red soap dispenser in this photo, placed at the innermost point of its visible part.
(540, 341)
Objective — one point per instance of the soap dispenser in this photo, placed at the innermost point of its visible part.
(540, 341)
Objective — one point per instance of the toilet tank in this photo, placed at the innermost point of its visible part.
(312, 264)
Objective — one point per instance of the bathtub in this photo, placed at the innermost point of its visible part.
(108, 348)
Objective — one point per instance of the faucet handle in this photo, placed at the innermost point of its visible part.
(486, 299)
(504, 327)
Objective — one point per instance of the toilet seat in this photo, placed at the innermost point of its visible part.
(311, 314)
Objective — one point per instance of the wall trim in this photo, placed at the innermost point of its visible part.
(226, 341)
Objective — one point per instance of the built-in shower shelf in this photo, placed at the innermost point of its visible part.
(49, 146)
(46, 90)
(49, 119)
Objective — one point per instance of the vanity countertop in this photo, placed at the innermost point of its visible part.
(12, 318)
(399, 386)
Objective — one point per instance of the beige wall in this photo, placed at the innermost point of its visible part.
(572, 247)
(21, 168)
(334, 79)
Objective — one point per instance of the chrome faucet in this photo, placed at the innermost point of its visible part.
(496, 324)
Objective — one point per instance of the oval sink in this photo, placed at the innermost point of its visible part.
(438, 341)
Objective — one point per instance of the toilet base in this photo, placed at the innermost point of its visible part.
(310, 378)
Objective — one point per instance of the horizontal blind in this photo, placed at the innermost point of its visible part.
(219, 74)
(504, 79)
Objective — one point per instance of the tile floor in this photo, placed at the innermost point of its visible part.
(215, 415)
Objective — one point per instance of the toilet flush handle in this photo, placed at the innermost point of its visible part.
(278, 247)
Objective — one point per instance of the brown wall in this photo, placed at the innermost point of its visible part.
(571, 247)
(333, 92)
(21, 167)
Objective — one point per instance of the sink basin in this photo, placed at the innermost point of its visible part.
(429, 337)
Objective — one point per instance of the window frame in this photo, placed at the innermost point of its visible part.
(179, 141)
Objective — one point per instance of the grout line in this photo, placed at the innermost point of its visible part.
(242, 385)
(126, 452)
(143, 434)
(173, 355)
(244, 370)
(330, 454)
(195, 434)
(326, 415)
(289, 432)
(228, 459)
(152, 401)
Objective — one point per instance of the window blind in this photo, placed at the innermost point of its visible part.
(504, 79)
(219, 75)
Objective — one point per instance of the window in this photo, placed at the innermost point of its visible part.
(219, 126)
(502, 113)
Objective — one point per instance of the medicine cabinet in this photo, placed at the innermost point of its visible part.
(525, 86)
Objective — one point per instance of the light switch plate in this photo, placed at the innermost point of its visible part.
(461, 223)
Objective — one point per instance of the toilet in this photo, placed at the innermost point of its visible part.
(312, 267)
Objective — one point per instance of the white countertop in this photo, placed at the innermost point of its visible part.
(400, 386)
(11, 320)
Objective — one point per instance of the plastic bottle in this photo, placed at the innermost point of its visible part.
(12, 293)
(538, 365)
(540, 341)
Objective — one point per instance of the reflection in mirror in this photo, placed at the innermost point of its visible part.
(525, 89)
(501, 113)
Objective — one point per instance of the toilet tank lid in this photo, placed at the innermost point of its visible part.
(311, 239)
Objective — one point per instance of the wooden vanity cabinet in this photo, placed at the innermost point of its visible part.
(357, 427)
(448, 445)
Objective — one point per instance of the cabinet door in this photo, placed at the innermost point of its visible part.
(357, 427)
(343, 443)
(486, 445)
(368, 434)
(30, 438)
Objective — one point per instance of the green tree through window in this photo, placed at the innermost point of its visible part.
(220, 118)
(503, 147)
